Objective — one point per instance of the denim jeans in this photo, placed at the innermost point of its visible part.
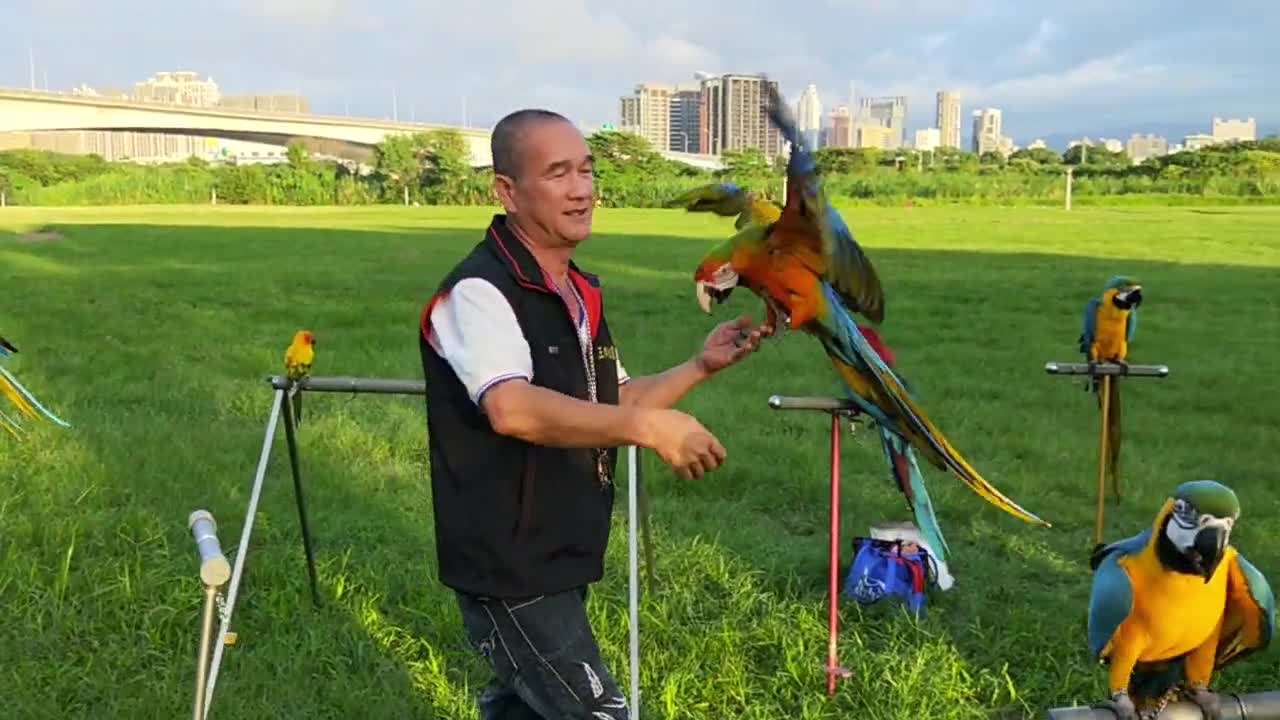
(544, 657)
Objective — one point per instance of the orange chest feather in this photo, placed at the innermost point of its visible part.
(786, 279)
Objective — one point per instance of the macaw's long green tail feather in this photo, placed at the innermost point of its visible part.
(10, 424)
(23, 398)
(879, 392)
(906, 474)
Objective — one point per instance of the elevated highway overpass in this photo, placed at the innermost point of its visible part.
(351, 138)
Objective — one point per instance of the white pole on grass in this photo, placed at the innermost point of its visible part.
(633, 468)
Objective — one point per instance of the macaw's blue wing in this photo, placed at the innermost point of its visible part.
(1250, 622)
(1089, 324)
(6, 347)
(845, 265)
(1111, 599)
(1131, 324)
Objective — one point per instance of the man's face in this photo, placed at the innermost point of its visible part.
(555, 189)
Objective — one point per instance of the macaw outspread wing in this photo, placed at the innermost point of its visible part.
(834, 254)
(881, 394)
(727, 199)
(1111, 599)
(1089, 325)
(1250, 622)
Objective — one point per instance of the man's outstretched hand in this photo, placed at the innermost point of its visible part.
(683, 443)
(730, 342)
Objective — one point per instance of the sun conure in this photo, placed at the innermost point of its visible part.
(727, 199)
(813, 276)
(298, 358)
(1110, 320)
(1177, 602)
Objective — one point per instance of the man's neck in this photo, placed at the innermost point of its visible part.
(553, 260)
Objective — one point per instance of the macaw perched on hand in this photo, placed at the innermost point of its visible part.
(813, 276)
(21, 397)
(297, 364)
(727, 199)
(1172, 605)
(1110, 320)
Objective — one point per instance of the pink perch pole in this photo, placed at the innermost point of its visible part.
(837, 409)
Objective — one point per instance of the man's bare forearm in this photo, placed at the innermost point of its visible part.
(665, 389)
(545, 417)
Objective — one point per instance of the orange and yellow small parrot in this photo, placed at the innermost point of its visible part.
(1109, 323)
(813, 276)
(1177, 602)
(727, 199)
(21, 398)
(297, 364)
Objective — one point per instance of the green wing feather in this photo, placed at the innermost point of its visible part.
(727, 199)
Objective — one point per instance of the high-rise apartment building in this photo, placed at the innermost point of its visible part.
(1141, 147)
(647, 113)
(809, 115)
(889, 112)
(686, 115)
(733, 115)
(987, 130)
(178, 88)
(948, 122)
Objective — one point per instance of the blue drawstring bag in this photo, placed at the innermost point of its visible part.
(882, 568)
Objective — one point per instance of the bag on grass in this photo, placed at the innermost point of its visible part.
(883, 568)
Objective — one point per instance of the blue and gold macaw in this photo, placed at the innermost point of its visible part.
(727, 199)
(21, 398)
(1109, 323)
(1177, 602)
(814, 277)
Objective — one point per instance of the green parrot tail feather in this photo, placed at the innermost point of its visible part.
(908, 419)
(910, 482)
(25, 401)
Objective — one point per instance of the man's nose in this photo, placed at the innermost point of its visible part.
(583, 186)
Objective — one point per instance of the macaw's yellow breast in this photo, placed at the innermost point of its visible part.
(1175, 613)
(1111, 330)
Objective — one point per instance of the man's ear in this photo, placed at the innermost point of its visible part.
(504, 189)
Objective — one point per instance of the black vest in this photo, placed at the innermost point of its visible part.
(514, 519)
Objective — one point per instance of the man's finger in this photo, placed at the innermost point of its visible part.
(718, 450)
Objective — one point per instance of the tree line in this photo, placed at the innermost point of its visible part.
(432, 168)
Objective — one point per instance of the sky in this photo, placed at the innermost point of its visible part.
(1086, 67)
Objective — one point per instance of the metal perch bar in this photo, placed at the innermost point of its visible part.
(1106, 372)
(837, 408)
(342, 384)
(1100, 369)
(1253, 706)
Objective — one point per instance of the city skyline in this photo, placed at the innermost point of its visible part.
(1088, 69)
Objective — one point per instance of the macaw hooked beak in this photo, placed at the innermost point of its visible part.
(1207, 550)
(722, 282)
(1131, 297)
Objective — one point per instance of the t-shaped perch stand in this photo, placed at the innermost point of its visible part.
(1104, 372)
(838, 409)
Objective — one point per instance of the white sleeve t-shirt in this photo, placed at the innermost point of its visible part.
(475, 330)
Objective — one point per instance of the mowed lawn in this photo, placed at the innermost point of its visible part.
(152, 330)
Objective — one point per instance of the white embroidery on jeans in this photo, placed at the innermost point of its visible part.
(597, 688)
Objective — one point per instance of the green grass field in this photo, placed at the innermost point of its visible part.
(152, 330)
